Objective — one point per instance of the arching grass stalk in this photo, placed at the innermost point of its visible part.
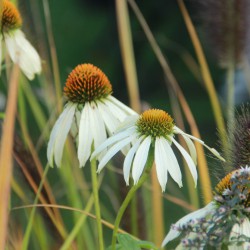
(130, 195)
(97, 203)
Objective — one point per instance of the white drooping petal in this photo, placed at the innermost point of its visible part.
(246, 227)
(111, 140)
(117, 112)
(191, 148)
(112, 151)
(59, 134)
(161, 160)
(130, 121)
(122, 106)
(212, 150)
(85, 135)
(239, 230)
(188, 159)
(170, 162)
(140, 159)
(97, 126)
(75, 125)
(109, 119)
(129, 158)
(196, 215)
(23, 53)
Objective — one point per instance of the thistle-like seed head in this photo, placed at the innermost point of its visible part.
(240, 140)
(235, 188)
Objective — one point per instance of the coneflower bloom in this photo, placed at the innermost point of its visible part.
(18, 47)
(223, 222)
(154, 128)
(91, 113)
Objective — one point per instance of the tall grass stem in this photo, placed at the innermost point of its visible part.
(53, 53)
(78, 225)
(97, 203)
(27, 234)
(6, 148)
(127, 51)
(206, 74)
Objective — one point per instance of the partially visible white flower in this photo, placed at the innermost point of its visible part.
(225, 220)
(154, 128)
(91, 113)
(18, 47)
(175, 230)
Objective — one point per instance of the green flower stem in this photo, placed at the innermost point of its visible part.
(124, 205)
(97, 204)
(129, 196)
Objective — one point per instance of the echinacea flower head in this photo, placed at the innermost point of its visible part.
(152, 129)
(18, 47)
(91, 113)
(223, 222)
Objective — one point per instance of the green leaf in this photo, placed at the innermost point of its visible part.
(146, 244)
(127, 242)
(117, 247)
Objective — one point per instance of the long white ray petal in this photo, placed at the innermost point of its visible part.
(161, 161)
(112, 151)
(198, 214)
(140, 159)
(117, 112)
(212, 150)
(55, 132)
(246, 227)
(111, 122)
(173, 165)
(188, 159)
(129, 158)
(128, 122)
(111, 140)
(75, 125)
(85, 135)
(23, 53)
(61, 136)
(191, 148)
(97, 126)
(121, 105)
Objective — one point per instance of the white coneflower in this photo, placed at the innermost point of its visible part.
(223, 222)
(91, 113)
(154, 128)
(18, 47)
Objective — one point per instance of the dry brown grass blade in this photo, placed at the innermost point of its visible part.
(39, 168)
(206, 74)
(128, 53)
(6, 154)
(202, 163)
(192, 191)
(58, 225)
